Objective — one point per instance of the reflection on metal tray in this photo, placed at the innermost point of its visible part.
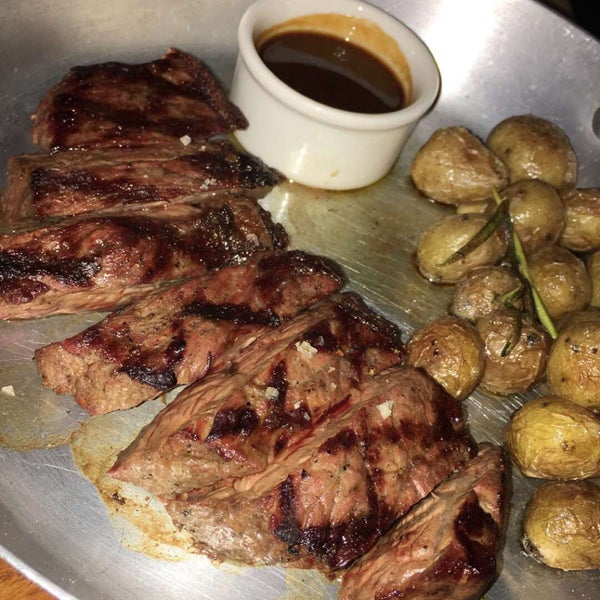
(497, 58)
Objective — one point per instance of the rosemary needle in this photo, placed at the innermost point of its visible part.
(480, 237)
(540, 309)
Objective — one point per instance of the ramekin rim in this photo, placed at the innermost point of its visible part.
(334, 116)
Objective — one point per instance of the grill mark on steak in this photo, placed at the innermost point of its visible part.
(176, 335)
(160, 379)
(369, 444)
(291, 391)
(236, 313)
(239, 421)
(445, 547)
(46, 181)
(117, 104)
(59, 184)
(277, 416)
(22, 263)
(332, 543)
(328, 500)
(105, 262)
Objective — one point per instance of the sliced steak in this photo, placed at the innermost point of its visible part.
(446, 547)
(62, 184)
(117, 104)
(275, 392)
(102, 263)
(175, 336)
(327, 502)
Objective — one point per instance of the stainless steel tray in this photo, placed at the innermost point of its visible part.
(496, 57)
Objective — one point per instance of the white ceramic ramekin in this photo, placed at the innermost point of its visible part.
(311, 143)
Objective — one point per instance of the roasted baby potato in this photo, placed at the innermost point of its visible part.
(451, 351)
(516, 352)
(561, 527)
(536, 211)
(561, 279)
(553, 438)
(454, 166)
(483, 290)
(438, 243)
(582, 226)
(534, 148)
(574, 362)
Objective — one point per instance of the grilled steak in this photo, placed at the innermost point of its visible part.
(116, 104)
(101, 263)
(174, 336)
(237, 421)
(70, 183)
(445, 548)
(327, 502)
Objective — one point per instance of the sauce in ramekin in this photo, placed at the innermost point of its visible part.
(333, 71)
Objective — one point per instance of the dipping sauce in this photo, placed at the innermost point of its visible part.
(334, 72)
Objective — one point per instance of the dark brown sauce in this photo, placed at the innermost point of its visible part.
(333, 72)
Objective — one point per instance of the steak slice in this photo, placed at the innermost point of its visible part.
(446, 547)
(117, 104)
(104, 262)
(326, 503)
(275, 392)
(59, 184)
(175, 336)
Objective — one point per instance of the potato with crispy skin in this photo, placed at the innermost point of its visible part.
(561, 527)
(573, 370)
(451, 351)
(485, 289)
(552, 438)
(582, 225)
(454, 167)
(561, 279)
(447, 236)
(516, 352)
(537, 213)
(535, 148)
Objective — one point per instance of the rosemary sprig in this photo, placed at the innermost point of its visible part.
(542, 314)
(508, 299)
(480, 237)
(515, 336)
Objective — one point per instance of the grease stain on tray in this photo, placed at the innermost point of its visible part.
(139, 519)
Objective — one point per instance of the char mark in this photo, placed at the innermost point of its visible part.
(163, 379)
(45, 182)
(236, 313)
(233, 422)
(334, 545)
(160, 380)
(20, 264)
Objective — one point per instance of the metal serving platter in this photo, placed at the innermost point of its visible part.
(497, 58)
